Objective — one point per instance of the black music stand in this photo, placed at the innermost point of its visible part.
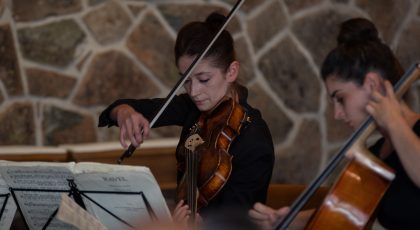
(3, 206)
(77, 194)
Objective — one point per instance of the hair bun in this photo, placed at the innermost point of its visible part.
(215, 20)
(357, 30)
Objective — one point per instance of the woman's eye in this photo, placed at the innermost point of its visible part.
(340, 100)
(204, 80)
(188, 81)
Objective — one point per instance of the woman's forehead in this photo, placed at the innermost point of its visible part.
(334, 84)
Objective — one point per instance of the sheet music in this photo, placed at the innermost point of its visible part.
(131, 208)
(10, 209)
(38, 206)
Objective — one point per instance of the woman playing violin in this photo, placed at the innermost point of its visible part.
(212, 81)
(358, 75)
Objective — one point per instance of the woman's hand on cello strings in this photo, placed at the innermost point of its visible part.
(386, 109)
(133, 125)
(267, 217)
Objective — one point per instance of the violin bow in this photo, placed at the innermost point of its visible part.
(130, 150)
(400, 87)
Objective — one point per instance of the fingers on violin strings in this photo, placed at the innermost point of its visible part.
(182, 213)
(179, 204)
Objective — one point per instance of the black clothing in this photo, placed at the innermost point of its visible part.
(252, 150)
(400, 206)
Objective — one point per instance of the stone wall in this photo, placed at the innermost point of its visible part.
(63, 61)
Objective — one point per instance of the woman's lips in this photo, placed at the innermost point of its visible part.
(199, 102)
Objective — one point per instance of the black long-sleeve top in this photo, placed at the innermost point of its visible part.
(252, 150)
(400, 206)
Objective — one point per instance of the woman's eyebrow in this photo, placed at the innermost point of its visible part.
(334, 93)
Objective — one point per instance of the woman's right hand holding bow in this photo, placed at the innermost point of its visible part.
(133, 125)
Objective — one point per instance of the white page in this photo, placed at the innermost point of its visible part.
(130, 208)
(10, 209)
(38, 206)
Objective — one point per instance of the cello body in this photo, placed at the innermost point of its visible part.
(353, 198)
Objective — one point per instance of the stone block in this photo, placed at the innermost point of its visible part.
(136, 9)
(108, 23)
(25, 11)
(318, 31)
(63, 126)
(9, 64)
(154, 47)
(278, 122)
(299, 162)
(266, 24)
(387, 15)
(179, 15)
(1, 7)
(248, 5)
(17, 124)
(297, 5)
(408, 49)
(111, 76)
(46, 83)
(54, 43)
(291, 78)
(244, 56)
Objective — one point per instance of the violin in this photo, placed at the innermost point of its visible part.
(353, 198)
(206, 162)
(130, 150)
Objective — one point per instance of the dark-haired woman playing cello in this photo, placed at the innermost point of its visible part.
(213, 80)
(358, 75)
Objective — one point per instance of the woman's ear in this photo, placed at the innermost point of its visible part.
(373, 81)
(233, 71)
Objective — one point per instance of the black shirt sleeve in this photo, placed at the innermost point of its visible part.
(175, 114)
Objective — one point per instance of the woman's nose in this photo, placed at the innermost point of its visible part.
(194, 89)
(338, 112)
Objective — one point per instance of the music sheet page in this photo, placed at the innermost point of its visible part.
(37, 207)
(131, 208)
(10, 209)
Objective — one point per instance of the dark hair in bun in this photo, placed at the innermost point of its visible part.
(357, 30)
(215, 20)
(194, 37)
(358, 52)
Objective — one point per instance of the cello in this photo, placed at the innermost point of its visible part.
(353, 198)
